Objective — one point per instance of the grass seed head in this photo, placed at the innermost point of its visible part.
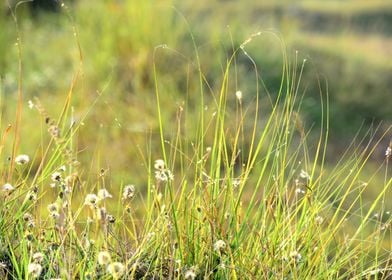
(129, 192)
(116, 269)
(190, 275)
(103, 194)
(238, 95)
(159, 164)
(22, 159)
(91, 200)
(35, 270)
(7, 187)
(104, 258)
(38, 257)
(219, 246)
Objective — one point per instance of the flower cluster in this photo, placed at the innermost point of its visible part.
(35, 268)
(115, 269)
(219, 246)
(162, 174)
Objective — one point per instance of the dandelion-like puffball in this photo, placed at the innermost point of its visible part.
(38, 257)
(295, 255)
(34, 269)
(190, 275)
(56, 176)
(30, 104)
(104, 258)
(27, 217)
(219, 245)
(91, 200)
(238, 95)
(7, 187)
(304, 175)
(53, 207)
(116, 269)
(159, 164)
(103, 194)
(388, 152)
(129, 192)
(299, 191)
(22, 159)
(319, 220)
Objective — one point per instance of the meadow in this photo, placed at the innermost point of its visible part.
(164, 140)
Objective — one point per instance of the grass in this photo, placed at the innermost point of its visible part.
(229, 184)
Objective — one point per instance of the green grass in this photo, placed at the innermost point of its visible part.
(252, 195)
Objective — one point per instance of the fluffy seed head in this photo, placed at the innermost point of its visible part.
(295, 255)
(190, 275)
(104, 258)
(319, 220)
(238, 95)
(7, 187)
(116, 269)
(159, 164)
(56, 176)
(103, 194)
(53, 207)
(38, 257)
(34, 269)
(129, 192)
(91, 200)
(219, 245)
(388, 152)
(304, 175)
(22, 159)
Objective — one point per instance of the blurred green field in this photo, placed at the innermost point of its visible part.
(347, 58)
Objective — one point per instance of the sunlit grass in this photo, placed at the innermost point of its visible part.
(221, 200)
(215, 179)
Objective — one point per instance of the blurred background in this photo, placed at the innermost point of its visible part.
(347, 45)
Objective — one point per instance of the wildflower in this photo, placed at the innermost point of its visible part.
(116, 269)
(304, 175)
(238, 95)
(159, 164)
(27, 217)
(55, 215)
(56, 176)
(53, 207)
(34, 269)
(388, 152)
(22, 159)
(129, 192)
(32, 196)
(30, 104)
(319, 220)
(103, 194)
(104, 258)
(219, 246)
(62, 168)
(164, 175)
(111, 219)
(91, 200)
(299, 191)
(38, 257)
(190, 274)
(7, 187)
(295, 255)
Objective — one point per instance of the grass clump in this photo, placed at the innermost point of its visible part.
(221, 200)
